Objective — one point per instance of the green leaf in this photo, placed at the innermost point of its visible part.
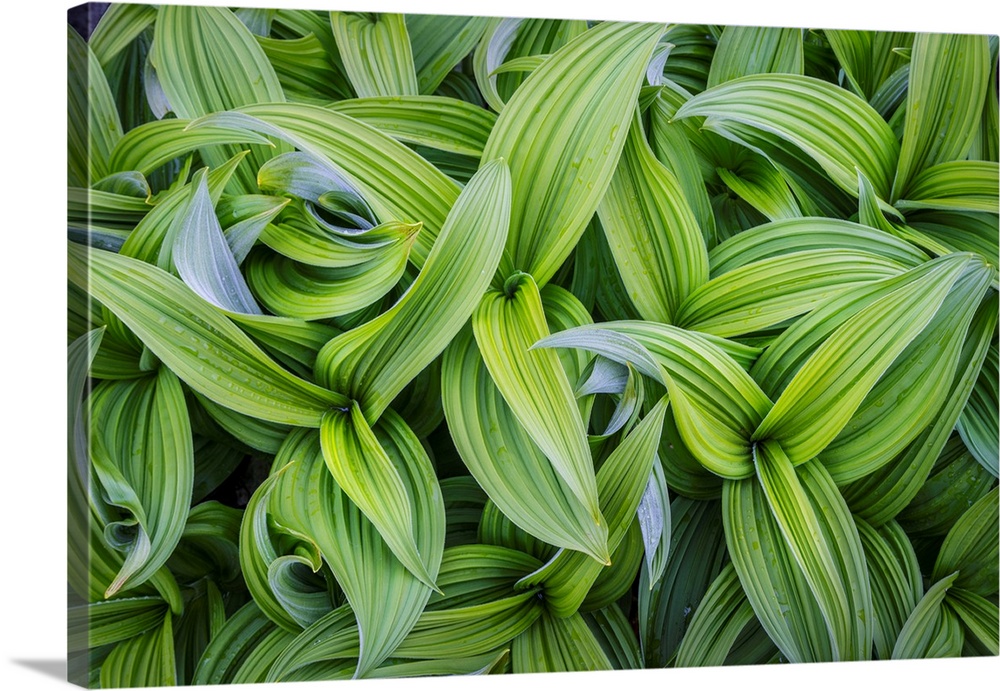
(435, 121)
(376, 52)
(716, 624)
(932, 630)
(696, 556)
(614, 633)
(439, 43)
(817, 527)
(143, 455)
(533, 384)
(850, 135)
(655, 523)
(823, 395)
(762, 186)
(868, 58)
(560, 171)
(243, 634)
(957, 185)
(374, 481)
(199, 79)
(652, 231)
(971, 548)
(979, 618)
(716, 403)
(373, 362)
(102, 623)
(384, 596)
(94, 125)
(895, 579)
(505, 461)
(978, 424)
(569, 575)
(206, 350)
(771, 291)
(146, 660)
(746, 50)
(947, 88)
(558, 645)
(117, 28)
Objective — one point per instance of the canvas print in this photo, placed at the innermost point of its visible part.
(418, 345)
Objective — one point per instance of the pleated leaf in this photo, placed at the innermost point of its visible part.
(439, 43)
(562, 168)
(746, 50)
(199, 77)
(979, 618)
(206, 350)
(978, 423)
(142, 449)
(376, 52)
(558, 645)
(829, 387)
(947, 88)
(971, 548)
(954, 185)
(386, 598)
(932, 630)
(852, 135)
(373, 362)
(652, 231)
(715, 625)
(368, 475)
(146, 660)
(533, 383)
(505, 461)
(435, 121)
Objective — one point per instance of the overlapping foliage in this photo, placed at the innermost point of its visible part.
(556, 345)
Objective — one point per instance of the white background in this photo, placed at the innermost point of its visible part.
(32, 256)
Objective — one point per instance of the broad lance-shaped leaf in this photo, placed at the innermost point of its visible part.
(376, 52)
(505, 461)
(292, 289)
(761, 185)
(971, 548)
(895, 579)
(533, 383)
(716, 403)
(117, 28)
(435, 121)
(152, 144)
(142, 452)
(204, 348)
(199, 80)
(918, 381)
(569, 575)
(204, 259)
(933, 629)
(652, 231)
(824, 394)
(958, 185)
(368, 475)
(772, 579)
(373, 162)
(884, 493)
(385, 597)
(947, 87)
(558, 645)
(439, 43)
(715, 625)
(980, 620)
(979, 425)
(868, 58)
(803, 234)
(746, 50)
(771, 291)
(820, 533)
(372, 363)
(146, 660)
(102, 623)
(850, 135)
(697, 554)
(562, 141)
(94, 124)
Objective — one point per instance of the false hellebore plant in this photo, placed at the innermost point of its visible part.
(562, 345)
